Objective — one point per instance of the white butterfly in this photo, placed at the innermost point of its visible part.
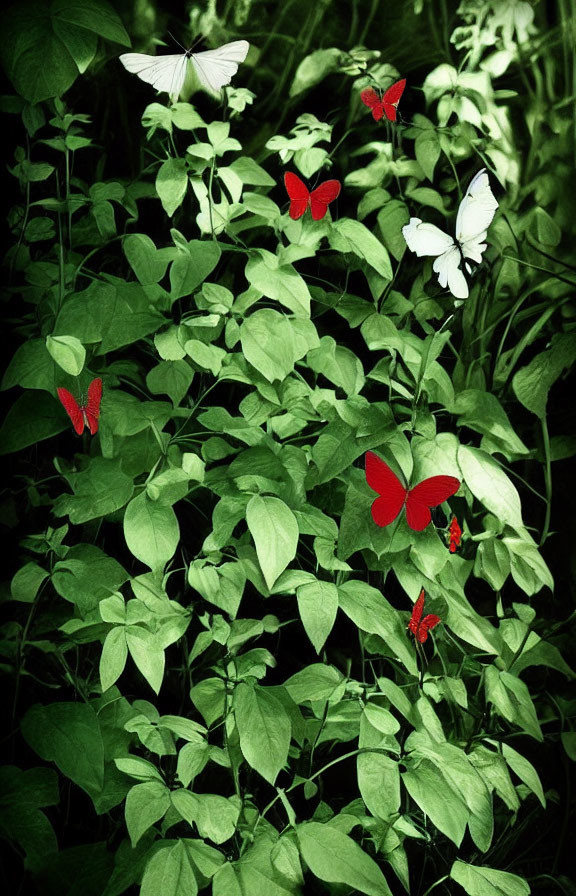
(214, 68)
(472, 222)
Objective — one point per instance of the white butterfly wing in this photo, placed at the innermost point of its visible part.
(476, 211)
(447, 266)
(165, 73)
(426, 239)
(215, 68)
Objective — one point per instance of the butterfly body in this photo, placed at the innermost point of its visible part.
(474, 217)
(214, 68)
(393, 495)
(385, 104)
(86, 414)
(420, 625)
(317, 200)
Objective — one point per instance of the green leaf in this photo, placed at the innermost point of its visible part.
(66, 31)
(525, 771)
(334, 857)
(148, 263)
(269, 344)
(26, 582)
(86, 576)
(264, 729)
(318, 605)
(22, 822)
(338, 364)
(215, 816)
(171, 184)
(477, 880)
(371, 612)
(69, 735)
(512, 701)
(489, 483)
(30, 420)
(172, 378)
(280, 283)
(113, 657)
(170, 872)
(349, 235)
(483, 412)
(528, 567)
(147, 653)
(427, 150)
(195, 262)
(145, 804)
(31, 367)
(316, 682)
(138, 768)
(68, 352)
(151, 531)
(100, 489)
(492, 563)
(274, 529)
(444, 804)
(532, 383)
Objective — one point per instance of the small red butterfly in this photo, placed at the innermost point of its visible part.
(455, 533)
(301, 198)
(418, 626)
(83, 414)
(394, 496)
(384, 105)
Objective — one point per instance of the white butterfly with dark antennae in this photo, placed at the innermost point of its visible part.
(475, 214)
(214, 68)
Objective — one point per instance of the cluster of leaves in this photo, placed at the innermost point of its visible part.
(204, 631)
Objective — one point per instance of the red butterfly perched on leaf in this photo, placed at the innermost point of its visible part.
(394, 496)
(301, 198)
(421, 626)
(455, 533)
(83, 414)
(386, 104)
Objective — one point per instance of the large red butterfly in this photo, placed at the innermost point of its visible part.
(301, 197)
(384, 105)
(83, 414)
(418, 626)
(394, 496)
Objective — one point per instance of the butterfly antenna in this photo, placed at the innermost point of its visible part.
(169, 33)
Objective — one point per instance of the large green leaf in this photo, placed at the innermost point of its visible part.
(98, 490)
(275, 532)
(264, 729)
(478, 880)
(334, 857)
(44, 45)
(151, 531)
(318, 605)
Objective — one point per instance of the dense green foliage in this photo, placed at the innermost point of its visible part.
(209, 678)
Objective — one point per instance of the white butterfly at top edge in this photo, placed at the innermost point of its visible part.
(214, 68)
(474, 217)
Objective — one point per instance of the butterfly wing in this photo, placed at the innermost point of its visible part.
(164, 73)
(455, 533)
(392, 493)
(475, 215)
(450, 274)
(215, 68)
(298, 193)
(371, 99)
(391, 99)
(92, 409)
(428, 493)
(426, 239)
(72, 408)
(425, 625)
(416, 614)
(322, 196)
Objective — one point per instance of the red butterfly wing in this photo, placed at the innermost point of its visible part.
(322, 196)
(455, 535)
(371, 99)
(392, 493)
(426, 624)
(298, 193)
(417, 614)
(72, 408)
(92, 409)
(427, 494)
(392, 97)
